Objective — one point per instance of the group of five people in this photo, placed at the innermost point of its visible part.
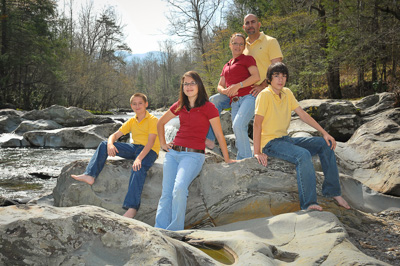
(252, 83)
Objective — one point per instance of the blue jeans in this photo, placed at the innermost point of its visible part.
(136, 181)
(180, 169)
(242, 113)
(299, 152)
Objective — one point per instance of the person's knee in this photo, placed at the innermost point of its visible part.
(304, 156)
(180, 192)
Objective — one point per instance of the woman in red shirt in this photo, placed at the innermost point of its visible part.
(234, 88)
(185, 154)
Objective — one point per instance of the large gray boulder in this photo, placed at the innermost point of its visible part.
(87, 137)
(40, 124)
(221, 194)
(88, 235)
(372, 155)
(67, 117)
(8, 123)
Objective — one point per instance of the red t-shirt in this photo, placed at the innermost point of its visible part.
(237, 70)
(194, 125)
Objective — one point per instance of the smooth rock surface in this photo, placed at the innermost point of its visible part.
(88, 235)
(87, 137)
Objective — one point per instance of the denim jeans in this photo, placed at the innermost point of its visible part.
(242, 113)
(137, 178)
(299, 152)
(180, 169)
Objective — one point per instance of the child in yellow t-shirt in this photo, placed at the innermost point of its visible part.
(272, 118)
(143, 150)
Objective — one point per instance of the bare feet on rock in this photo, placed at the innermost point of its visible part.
(340, 200)
(84, 178)
(314, 207)
(130, 213)
(210, 144)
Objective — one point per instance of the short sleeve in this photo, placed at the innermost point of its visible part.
(212, 111)
(250, 61)
(173, 108)
(126, 127)
(261, 104)
(274, 49)
(153, 125)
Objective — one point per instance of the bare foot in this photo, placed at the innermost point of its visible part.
(314, 207)
(210, 144)
(130, 213)
(84, 178)
(340, 200)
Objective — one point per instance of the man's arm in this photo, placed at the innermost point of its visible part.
(306, 118)
(258, 88)
(257, 127)
(137, 164)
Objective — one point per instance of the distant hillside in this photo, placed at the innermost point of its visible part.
(129, 57)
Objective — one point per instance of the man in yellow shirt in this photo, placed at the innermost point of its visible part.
(265, 50)
(143, 150)
(272, 118)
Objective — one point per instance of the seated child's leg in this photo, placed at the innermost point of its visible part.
(136, 182)
(284, 148)
(95, 165)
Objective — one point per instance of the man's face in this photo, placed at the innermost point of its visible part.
(251, 25)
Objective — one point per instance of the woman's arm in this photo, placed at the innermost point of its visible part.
(216, 126)
(306, 118)
(254, 77)
(161, 130)
(221, 86)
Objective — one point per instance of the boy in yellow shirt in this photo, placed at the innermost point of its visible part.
(143, 150)
(272, 118)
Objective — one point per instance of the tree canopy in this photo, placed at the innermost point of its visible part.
(333, 48)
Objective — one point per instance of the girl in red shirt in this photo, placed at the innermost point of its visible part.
(185, 154)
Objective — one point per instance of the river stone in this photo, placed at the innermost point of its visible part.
(10, 112)
(68, 117)
(88, 235)
(221, 194)
(87, 137)
(376, 103)
(40, 124)
(15, 141)
(8, 123)
(341, 127)
(372, 155)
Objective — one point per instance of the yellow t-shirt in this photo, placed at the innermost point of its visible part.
(140, 131)
(264, 49)
(276, 111)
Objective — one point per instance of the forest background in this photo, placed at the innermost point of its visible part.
(334, 49)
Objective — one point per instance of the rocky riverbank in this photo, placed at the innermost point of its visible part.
(245, 209)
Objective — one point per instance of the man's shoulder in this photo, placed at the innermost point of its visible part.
(266, 37)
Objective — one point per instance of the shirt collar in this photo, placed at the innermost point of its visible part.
(273, 92)
(233, 60)
(262, 35)
(146, 116)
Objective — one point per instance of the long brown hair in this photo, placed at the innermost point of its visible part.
(202, 96)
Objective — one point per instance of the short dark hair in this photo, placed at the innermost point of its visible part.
(202, 96)
(278, 67)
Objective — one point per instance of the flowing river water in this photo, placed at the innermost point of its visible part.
(27, 173)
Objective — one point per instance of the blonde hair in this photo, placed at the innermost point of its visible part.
(141, 95)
